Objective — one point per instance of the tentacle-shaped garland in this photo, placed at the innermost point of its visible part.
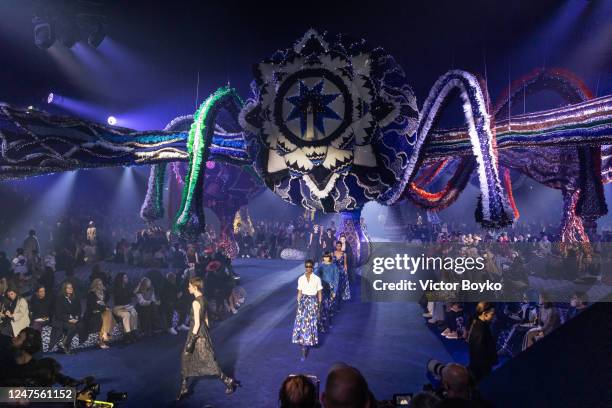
(567, 84)
(572, 229)
(494, 208)
(591, 202)
(508, 187)
(429, 174)
(447, 195)
(189, 222)
(153, 206)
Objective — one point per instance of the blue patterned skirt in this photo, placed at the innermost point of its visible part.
(328, 308)
(345, 289)
(305, 328)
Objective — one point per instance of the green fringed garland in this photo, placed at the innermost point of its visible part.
(189, 222)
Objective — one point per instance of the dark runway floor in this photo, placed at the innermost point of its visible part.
(389, 342)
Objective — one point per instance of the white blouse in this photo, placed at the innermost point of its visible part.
(309, 287)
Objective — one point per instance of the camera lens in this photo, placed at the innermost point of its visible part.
(435, 367)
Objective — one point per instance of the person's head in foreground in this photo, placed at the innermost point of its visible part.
(485, 311)
(424, 400)
(346, 388)
(456, 381)
(28, 342)
(297, 392)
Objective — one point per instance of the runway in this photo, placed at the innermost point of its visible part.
(388, 342)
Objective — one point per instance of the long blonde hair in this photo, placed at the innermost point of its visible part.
(98, 288)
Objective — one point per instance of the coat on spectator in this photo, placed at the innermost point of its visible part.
(21, 316)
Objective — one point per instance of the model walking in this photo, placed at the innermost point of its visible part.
(198, 357)
(341, 262)
(309, 297)
(329, 274)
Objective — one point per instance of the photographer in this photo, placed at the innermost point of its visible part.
(457, 386)
(21, 369)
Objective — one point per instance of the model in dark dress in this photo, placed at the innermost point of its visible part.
(482, 343)
(198, 357)
(315, 247)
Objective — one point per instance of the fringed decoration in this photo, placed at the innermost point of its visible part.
(592, 201)
(153, 206)
(572, 233)
(448, 194)
(428, 174)
(508, 187)
(189, 222)
(495, 208)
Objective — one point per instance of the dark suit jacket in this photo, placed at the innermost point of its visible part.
(65, 308)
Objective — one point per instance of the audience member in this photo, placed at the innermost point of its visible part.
(169, 298)
(123, 308)
(66, 318)
(346, 388)
(297, 391)
(40, 308)
(98, 316)
(147, 306)
(15, 313)
(424, 400)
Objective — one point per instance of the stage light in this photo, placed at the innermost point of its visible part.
(68, 35)
(44, 35)
(112, 120)
(30, 107)
(96, 36)
(50, 97)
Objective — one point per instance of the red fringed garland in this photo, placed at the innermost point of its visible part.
(508, 187)
(448, 194)
(430, 173)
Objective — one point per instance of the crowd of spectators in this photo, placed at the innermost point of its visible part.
(345, 386)
(520, 315)
(266, 239)
(76, 306)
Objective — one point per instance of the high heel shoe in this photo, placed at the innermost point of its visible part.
(231, 384)
(183, 391)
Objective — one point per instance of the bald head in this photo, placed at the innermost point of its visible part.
(345, 388)
(456, 380)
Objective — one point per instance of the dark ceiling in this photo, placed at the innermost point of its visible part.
(165, 44)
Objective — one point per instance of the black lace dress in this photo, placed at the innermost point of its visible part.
(202, 361)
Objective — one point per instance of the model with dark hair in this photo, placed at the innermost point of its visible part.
(309, 297)
(123, 308)
(341, 261)
(198, 357)
(329, 274)
(482, 345)
(314, 242)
